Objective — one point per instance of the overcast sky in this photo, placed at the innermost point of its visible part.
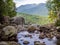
(24, 2)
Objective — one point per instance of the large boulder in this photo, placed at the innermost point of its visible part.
(10, 30)
(18, 20)
(10, 33)
(33, 27)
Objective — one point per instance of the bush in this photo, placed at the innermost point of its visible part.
(57, 23)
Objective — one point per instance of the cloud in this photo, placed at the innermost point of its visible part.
(23, 2)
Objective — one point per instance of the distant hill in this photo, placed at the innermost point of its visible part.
(34, 19)
(39, 9)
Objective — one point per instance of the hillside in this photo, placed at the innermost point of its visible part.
(34, 9)
(34, 19)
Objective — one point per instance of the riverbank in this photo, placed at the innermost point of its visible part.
(11, 29)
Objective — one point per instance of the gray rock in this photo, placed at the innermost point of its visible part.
(3, 43)
(18, 20)
(25, 42)
(37, 43)
(10, 33)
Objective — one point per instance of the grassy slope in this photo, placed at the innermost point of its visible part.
(34, 19)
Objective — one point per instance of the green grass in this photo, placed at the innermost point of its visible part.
(34, 19)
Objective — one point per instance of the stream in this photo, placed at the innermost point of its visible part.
(35, 37)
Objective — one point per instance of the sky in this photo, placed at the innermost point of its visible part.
(24, 2)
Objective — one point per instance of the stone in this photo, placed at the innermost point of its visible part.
(18, 20)
(21, 28)
(41, 36)
(3, 43)
(36, 42)
(28, 35)
(58, 36)
(44, 29)
(58, 29)
(6, 20)
(25, 42)
(42, 43)
(10, 33)
(10, 30)
(9, 43)
(31, 29)
(13, 43)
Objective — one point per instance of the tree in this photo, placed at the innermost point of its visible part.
(54, 9)
(11, 8)
(7, 8)
(2, 11)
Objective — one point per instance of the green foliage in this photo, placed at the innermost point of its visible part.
(34, 19)
(53, 7)
(57, 23)
(11, 8)
(7, 8)
(54, 10)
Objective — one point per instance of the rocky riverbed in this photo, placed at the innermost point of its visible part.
(25, 37)
(15, 32)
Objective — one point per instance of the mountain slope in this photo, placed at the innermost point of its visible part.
(39, 9)
(34, 19)
(23, 8)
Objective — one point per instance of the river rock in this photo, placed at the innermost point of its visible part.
(41, 36)
(58, 36)
(6, 20)
(13, 43)
(32, 28)
(44, 29)
(18, 20)
(42, 43)
(25, 42)
(36, 42)
(10, 33)
(9, 43)
(3, 43)
(28, 35)
(58, 29)
(21, 28)
(39, 43)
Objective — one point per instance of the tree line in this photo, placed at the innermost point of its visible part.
(7, 8)
(54, 10)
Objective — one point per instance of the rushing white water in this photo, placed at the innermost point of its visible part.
(35, 37)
